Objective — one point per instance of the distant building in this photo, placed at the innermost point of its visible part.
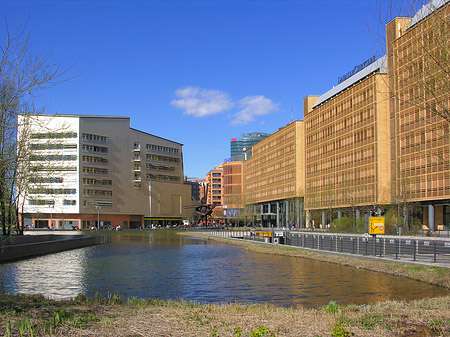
(233, 208)
(214, 190)
(247, 140)
(195, 187)
(96, 171)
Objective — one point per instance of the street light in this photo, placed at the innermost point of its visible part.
(98, 215)
(52, 205)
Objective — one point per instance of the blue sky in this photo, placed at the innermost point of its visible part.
(198, 72)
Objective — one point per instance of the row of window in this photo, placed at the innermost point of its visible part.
(91, 181)
(94, 138)
(94, 170)
(54, 135)
(93, 159)
(54, 157)
(162, 177)
(46, 180)
(43, 202)
(160, 167)
(101, 193)
(162, 158)
(94, 148)
(53, 146)
(159, 148)
(53, 168)
(53, 191)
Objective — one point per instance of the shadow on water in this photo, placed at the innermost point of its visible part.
(164, 265)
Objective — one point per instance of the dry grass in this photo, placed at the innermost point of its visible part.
(37, 316)
(114, 317)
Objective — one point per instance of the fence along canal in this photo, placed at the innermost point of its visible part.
(425, 250)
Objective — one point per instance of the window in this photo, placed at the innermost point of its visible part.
(93, 159)
(54, 168)
(54, 135)
(160, 167)
(102, 193)
(94, 148)
(41, 202)
(95, 170)
(159, 148)
(46, 180)
(55, 146)
(53, 157)
(94, 138)
(162, 177)
(91, 181)
(69, 202)
(162, 158)
(53, 191)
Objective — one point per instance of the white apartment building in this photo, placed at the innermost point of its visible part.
(90, 171)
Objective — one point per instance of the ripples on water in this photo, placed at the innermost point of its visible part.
(166, 266)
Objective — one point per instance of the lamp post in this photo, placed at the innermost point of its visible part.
(98, 216)
(51, 214)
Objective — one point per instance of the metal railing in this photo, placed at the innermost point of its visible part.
(426, 250)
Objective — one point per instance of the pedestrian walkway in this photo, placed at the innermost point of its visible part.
(424, 251)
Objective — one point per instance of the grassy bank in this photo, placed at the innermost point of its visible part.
(22, 315)
(36, 316)
(432, 275)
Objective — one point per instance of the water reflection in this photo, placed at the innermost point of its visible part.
(164, 265)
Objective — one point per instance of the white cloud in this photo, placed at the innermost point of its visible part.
(253, 106)
(201, 102)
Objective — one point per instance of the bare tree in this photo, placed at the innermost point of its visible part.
(23, 75)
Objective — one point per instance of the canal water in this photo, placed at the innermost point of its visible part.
(163, 265)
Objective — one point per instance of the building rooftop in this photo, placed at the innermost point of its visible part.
(379, 65)
(426, 10)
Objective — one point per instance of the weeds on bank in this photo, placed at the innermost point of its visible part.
(332, 308)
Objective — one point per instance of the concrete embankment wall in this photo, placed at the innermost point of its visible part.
(20, 247)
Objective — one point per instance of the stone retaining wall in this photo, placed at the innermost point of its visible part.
(19, 247)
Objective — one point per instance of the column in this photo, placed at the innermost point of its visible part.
(278, 214)
(287, 214)
(339, 215)
(431, 218)
(324, 225)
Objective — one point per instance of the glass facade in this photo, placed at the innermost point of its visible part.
(247, 140)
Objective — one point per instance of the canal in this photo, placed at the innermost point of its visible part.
(163, 265)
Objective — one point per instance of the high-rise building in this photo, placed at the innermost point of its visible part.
(419, 92)
(347, 144)
(195, 187)
(247, 140)
(381, 136)
(214, 190)
(96, 171)
(274, 178)
(232, 201)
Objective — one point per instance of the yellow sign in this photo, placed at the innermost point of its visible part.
(376, 225)
(263, 234)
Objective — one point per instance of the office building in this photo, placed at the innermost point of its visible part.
(419, 91)
(239, 147)
(195, 187)
(96, 171)
(232, 188)
(274, 178)
(213, 185)
(347, 145)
